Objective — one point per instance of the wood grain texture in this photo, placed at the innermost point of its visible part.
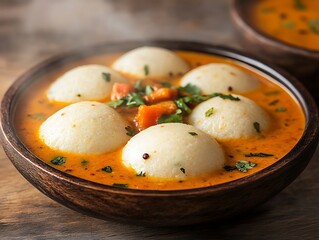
(33, 35)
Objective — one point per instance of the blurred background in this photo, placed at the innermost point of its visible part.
(32, 30)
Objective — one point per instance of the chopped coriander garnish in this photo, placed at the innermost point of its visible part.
(314, 25)
(244, 166)
(130, 131)
(116, 103)
(190, 89)
(182, 170)
(84, 162)
(138, 86)
(107, 169)
(183, 106)
(299, 4)
(37, 116)
(193, 133)
(106, 76)
(78, 95)
(59, 160)
(274, 102)
(171, 118)
(272, 93)
(120, 185)
(148, 89)
(225, 96)
(258, 155)
(288, 24)
(209, 112)
(141, 174)
(134, 100)
(281, 109)
(257, 127)
(268, 10)
(146, 70)
(166, 84)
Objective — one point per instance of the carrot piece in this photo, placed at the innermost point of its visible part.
(148, 115)
(120, 90)
(162, 94)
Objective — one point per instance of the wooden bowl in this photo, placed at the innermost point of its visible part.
(301, 62)
(157, 208)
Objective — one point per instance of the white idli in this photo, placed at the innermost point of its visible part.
(151, 62)
(220, 77)
(88, 82)
(227, 119)
(173, 150)
(86, 128)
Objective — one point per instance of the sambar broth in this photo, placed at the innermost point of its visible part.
(294, 22)
(287, 126)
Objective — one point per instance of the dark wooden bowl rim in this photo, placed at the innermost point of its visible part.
(303, 97)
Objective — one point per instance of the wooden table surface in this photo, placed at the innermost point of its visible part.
(32, 30)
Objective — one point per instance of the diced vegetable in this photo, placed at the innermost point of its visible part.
(120, 90)
(162, 94)
(148, 115)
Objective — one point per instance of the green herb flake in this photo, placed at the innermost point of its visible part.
(171, 118)
(313, 25)
(116, 103)
(190, 89)
(299, 4)
(148, 89)
(193, 133)
(120, 185)
(183, 106)
(268, 10)
(281, 109)
(107, 169)
(166, 84)
(258, 155)
(257, 127)
(78, 95)
(224, 96)
(272, 93)
(138, 86)
(141, 174)
(244, 166)
(106, 76)
(130, 131)
(134, 100)
(59, 160)
(288, 24)
(274, 102)
(84, 162)
(146, 70)
(37, 116)
(182, 170)
(209, 112)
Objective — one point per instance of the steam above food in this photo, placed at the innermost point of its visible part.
(220, 77)
(88, 82)
(85, 128)
(152, 62)
(238, 117)
(173, 150)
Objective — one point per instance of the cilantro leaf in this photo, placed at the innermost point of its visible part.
(107, 169)
(59, 160)
(170, 118)
(257, 127)
(189, 88)
(209, 112)
(130, 131)
(258, 155)
(244, 166)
